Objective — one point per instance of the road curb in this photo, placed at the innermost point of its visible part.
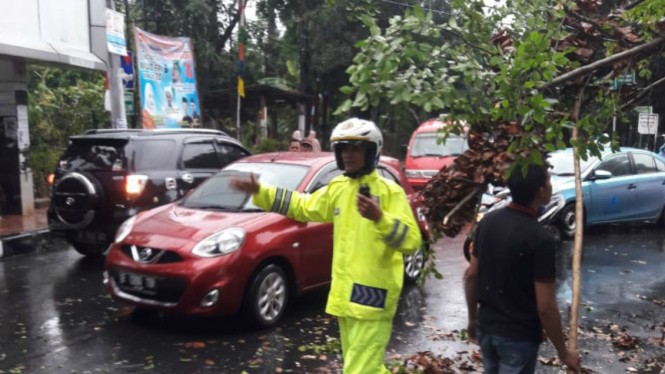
(26, 243)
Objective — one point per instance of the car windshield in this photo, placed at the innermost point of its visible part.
(427, 145)
(562, 164)
(215, 193)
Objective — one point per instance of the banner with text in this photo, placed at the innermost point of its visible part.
(167, 81)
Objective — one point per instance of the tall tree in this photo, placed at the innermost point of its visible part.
(547, 70)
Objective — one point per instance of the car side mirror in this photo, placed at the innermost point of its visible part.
(601, 175)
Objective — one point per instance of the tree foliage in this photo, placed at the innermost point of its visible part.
(502, 71)
(61, 104)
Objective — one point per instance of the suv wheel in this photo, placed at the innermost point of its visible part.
(90, 250)
(75, 197)
(267, 296)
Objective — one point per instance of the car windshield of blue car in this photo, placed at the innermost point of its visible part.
(427, 145)
(216, 194)
(562, 164)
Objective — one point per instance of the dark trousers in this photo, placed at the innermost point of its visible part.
(507, 356)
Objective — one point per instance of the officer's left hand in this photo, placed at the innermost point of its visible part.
(369, 208)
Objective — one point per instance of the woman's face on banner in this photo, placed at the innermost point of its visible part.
(176, 73)
(149, 99)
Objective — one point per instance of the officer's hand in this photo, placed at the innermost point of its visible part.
(249, 186)
(369, 208)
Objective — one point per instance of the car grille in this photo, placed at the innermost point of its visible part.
(147, 255)
(163, 290)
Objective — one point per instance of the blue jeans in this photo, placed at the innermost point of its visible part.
(506, 356)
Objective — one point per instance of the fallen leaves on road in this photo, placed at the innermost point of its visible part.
(428, 363)
(625, 341)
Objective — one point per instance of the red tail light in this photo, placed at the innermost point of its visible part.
(51, 178)
(134, 184)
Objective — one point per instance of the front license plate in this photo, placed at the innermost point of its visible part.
(136, 282)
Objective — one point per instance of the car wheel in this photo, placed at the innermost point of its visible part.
(267, 297)
(414, 264)
(467, 249)
(90, 250)
(568, 221)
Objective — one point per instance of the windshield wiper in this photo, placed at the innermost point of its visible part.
(429, 155)
(214, 207)
(252, 210)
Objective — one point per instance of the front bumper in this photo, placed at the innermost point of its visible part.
(181, 286)
(418, 183)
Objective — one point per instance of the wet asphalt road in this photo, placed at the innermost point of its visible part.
(55, 317)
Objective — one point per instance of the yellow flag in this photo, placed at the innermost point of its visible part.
(241, 87)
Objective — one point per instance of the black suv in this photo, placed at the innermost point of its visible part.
(107, 176)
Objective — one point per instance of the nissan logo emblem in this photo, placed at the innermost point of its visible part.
(70, 201)
(145, 253)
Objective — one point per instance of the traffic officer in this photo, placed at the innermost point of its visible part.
(373, 228)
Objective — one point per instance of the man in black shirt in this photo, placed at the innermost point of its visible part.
(510, 283)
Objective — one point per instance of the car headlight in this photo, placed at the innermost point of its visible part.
(413, 174)
(420, 215)
(124, 229)
(221, 243)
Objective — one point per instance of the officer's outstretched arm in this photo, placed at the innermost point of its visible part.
(301, 207)
(398, 228)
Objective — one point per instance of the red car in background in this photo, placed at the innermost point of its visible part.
(425, 155)
(215, 253)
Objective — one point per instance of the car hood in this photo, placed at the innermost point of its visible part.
(176, 227)
(561, 183)
(428, 163)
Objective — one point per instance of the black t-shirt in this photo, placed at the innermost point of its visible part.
(513, 251)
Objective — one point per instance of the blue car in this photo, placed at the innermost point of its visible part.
(627, 186)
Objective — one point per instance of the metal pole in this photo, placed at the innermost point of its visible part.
(116, 93)
(238, 118)
(241, 24)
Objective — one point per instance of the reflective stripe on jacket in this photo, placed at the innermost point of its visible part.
(368, 264)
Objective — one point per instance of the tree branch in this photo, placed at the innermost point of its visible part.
(581, 18)
(462, 203)
(228, 32)
(642, 93)
(602, 63)
(633, 4)
(458, 35)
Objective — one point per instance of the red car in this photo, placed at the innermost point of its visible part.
(215, 253)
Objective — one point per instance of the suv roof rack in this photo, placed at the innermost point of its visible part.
(154, 131)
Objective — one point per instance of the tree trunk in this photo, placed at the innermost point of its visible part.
(579, 235)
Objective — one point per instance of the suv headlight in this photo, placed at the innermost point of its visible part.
(221, 243)
(413, 174)
(124, 229)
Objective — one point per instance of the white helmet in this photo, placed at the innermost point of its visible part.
(362, 133)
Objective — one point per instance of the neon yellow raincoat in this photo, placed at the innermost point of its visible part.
(368, 265)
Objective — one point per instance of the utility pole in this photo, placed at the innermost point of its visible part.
(116, 91)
